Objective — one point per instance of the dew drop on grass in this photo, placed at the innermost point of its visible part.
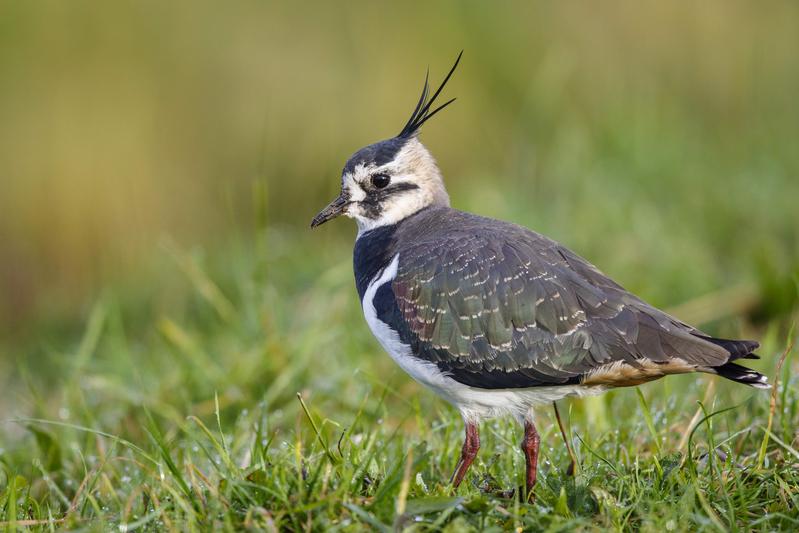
(420, 482)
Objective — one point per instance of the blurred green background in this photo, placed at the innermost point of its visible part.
(659, 140)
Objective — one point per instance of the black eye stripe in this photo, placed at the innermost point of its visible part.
(366, 186)
(380, 194)
(374, 197)
(402, 186)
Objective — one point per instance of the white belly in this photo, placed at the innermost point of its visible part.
(473, 403)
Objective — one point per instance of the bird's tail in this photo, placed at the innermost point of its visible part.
(741, 374)
(735, 372)
(737, 349)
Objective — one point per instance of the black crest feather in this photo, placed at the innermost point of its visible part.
(422, 112)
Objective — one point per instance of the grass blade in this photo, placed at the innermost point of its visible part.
(319, 437)
(651, 426)
(761, 457)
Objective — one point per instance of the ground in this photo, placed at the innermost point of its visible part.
(273, 409)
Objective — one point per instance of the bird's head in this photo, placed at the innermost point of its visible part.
(390, 180)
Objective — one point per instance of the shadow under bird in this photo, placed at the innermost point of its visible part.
(493, 317)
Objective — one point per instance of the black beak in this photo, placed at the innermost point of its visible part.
(333, 209)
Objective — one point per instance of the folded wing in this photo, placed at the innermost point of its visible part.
(505, 307)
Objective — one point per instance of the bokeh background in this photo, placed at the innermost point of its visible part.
(160, 162)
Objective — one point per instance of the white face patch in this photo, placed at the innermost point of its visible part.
(415, 184)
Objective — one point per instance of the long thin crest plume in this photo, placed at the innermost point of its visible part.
(422, 113)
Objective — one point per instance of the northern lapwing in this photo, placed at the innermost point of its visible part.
(494, 317)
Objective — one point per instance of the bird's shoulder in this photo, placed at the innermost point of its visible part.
(445, 235)
(439, 225)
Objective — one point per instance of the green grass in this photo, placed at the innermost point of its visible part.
(249, 406)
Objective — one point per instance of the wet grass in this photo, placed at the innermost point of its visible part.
(250, 409)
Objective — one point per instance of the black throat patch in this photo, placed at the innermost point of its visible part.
(373, 252)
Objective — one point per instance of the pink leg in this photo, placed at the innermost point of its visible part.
(530, 449)
(469, 451)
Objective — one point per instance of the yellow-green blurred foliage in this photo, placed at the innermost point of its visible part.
(125, 122)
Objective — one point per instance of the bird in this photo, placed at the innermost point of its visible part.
(495, 318)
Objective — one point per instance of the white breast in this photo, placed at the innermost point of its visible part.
(472, 402)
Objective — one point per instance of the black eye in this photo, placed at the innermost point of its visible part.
(380, 180)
